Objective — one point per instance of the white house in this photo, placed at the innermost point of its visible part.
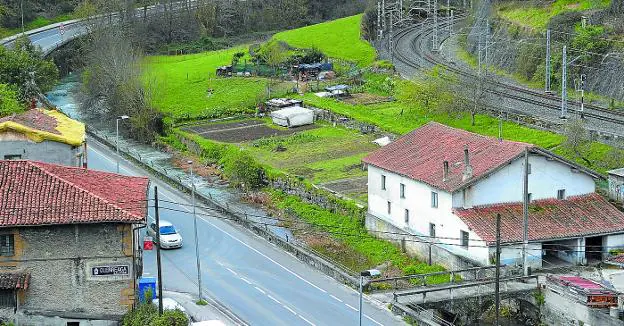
(445, 187)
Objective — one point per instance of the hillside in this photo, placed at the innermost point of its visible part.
(338, 39)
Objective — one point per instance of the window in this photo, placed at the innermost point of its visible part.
(407, 216)
(13, 157)
(463, 238)
(432, 230)
(402, 191)
(383, 182)
(561, 194)
(434, 199)
(389, 208)
(7, 298)
(7, 245)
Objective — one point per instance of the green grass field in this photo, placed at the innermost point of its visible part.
(320, 155)
(337, 39)
(538, 17)
(180, 85)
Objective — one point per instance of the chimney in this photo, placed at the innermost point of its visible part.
(446, 171)
(467, 167)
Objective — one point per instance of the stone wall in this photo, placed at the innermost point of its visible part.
(60, 258)
(418, 247)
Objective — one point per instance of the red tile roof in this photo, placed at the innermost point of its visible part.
(35, 193)
(617, 259)
(420, 155)
(14, 280)
(548, 219)
(35, 119)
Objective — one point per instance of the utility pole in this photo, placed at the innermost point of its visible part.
(583, 78)
(498, 252)
(401, 11)
(525, 213)
(435, 26)
(158, 264)
(564, 86)
(448, 14)
(547, 90)
(199, 279)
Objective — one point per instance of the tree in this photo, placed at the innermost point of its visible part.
(578, 139)
(617, 7)
(24, 67)
(241, 169)
(273, 54)
(8, 101)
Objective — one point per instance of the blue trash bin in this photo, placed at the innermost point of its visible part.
(147, 283)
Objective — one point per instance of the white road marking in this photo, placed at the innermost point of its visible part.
(251, 248)
(333, 297)
(286, 307)
(350, 306)
(231, 271)
(374, 321)
(259, 289)
(245, 280)
(272, 298)
(307, 321)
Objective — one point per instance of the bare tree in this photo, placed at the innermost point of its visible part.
(273, 54)
(578, 139)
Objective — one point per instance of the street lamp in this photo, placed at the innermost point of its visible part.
(199, 283)
(366, 273)
(121, 117)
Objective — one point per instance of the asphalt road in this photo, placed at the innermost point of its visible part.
(257, 281)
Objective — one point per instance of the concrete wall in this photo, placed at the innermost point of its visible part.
(60, 259)
(545, 179)
(616, 188)
(512, 255)
(561, 309)
(418, 201)
(46, 151)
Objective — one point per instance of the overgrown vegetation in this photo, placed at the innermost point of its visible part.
(146, 314)
(25, 70)
(538, 14)
(350, 231)
(8, 101)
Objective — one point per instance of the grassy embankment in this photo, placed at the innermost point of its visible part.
(537, 17)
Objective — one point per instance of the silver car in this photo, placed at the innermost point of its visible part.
(169, 236)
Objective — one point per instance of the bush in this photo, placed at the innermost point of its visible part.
(8, 101)
(241, 169)
(146, 314)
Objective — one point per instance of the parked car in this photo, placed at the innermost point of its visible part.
(169, 236)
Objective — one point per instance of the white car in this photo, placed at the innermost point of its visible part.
(169, 236)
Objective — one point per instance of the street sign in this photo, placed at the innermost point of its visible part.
(110, 270)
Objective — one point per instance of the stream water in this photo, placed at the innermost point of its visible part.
(64, 97)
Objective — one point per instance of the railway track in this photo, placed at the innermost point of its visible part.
(420, 57)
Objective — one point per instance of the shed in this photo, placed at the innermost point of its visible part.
(338, 90)
(616, 185)
(293, 116)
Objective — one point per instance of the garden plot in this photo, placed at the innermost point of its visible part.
(242, 131)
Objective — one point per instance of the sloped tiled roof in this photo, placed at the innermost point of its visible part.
(39, 125)
(420, 155)
(548, 219)
(35, 193)
(14, 280)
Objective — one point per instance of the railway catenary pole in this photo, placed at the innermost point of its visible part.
(525, 213)
(383, 15)
(390, 40)
(487, 45)
(435, 26)
(547, 84)
(400, 11)
(379, 30)
(564, 86)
